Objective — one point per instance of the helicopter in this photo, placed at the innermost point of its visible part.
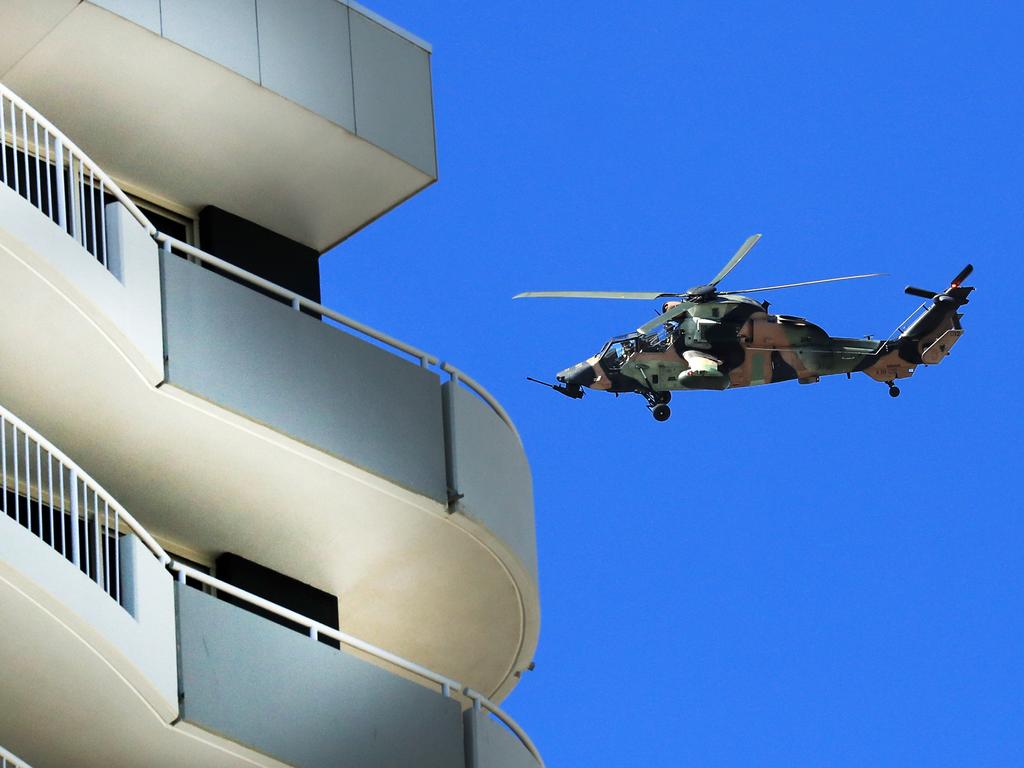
(711, 339)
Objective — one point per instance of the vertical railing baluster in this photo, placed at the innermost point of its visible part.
(14, 450)
(35, 152)
(49, 192)
(14, 148)
(24, 154)
(28, 485)
(62, 215)
(39, 492)
(117, 555)
(76, 224)
(81, 205)
(49, 488)
(106, 546)
(103, 224)
(3, 450)
(97, 571)
(76, 555)
(92, 208)
(3, 139)
(90, 543)
(63, 512)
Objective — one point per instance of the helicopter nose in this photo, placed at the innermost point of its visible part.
(581, 374)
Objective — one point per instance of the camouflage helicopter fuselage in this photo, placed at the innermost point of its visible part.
(714, 339)
(731, 341)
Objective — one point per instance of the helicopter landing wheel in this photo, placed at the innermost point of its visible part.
(894, 391)
(662, 398)
(661, 412)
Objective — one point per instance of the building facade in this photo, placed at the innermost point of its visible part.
(240, 527)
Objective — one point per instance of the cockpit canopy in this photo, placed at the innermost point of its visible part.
(618, 348)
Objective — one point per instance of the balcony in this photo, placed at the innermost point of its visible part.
(118, 662)
(311, 118)
(281, 430)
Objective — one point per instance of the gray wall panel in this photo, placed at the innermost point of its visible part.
(301, 701)
(255, 356)
(491, 471)
(221, 30)
(394, 107)
(304, 55)
(145, 13)
(491, 745)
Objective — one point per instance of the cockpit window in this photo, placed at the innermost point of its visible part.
(614, 353)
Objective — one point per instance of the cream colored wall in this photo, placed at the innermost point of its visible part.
(141, 648)
(125, 307)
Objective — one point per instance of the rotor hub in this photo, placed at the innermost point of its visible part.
(701, 293)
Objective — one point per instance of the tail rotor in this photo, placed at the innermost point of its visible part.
(948, 293)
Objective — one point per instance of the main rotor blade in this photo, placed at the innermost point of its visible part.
(809, 282)
(592, 295)
(736, 258)
(665, 317)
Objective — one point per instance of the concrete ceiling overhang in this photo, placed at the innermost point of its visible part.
(182, 129)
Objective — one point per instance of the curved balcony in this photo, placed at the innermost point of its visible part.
(234, 422)
(178, 674)
(326, 106)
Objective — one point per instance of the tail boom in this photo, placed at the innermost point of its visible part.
(929, 338)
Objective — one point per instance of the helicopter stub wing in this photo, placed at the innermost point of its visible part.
(637, 295)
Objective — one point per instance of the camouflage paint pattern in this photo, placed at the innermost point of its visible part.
(731, 341)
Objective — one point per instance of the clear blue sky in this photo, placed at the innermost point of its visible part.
(778, 576)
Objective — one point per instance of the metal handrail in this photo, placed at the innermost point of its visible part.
(9, 760)
(479, 700)
(80, 154)
(297, 301)
(300, 302)
(460, 376)
(82, 476)
(316, 630)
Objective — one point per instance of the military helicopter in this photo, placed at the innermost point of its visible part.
(709, 339)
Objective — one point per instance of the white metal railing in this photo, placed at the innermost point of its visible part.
(482, 702)
(50, 495)
(45, 492)
(7, 760)
(316, 630)
(460, 377)
(49, 170)
(299, 303)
